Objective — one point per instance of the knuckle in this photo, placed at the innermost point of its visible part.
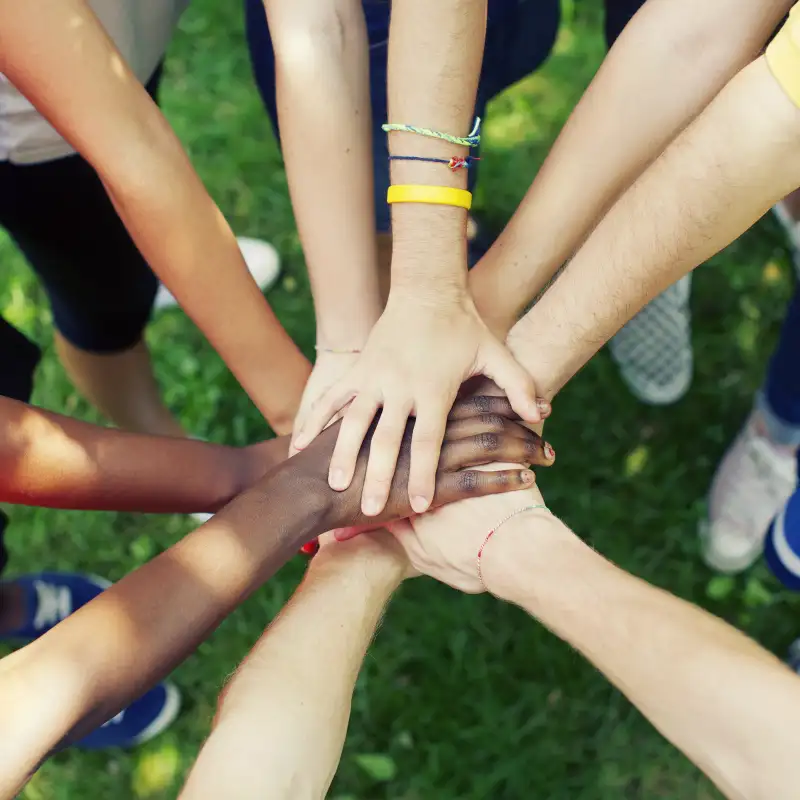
(482, 404)
(488, 442)
(494, 422)
(468, 481)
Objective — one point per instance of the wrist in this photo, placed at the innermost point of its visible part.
(523, 560)
(536, 359)
(231, 472)
(429, 247)
(373, 566)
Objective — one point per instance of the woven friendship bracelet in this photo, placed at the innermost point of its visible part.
(455, 163)
(494, 530)
(473, 140)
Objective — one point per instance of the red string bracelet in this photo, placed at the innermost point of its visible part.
(492, 533)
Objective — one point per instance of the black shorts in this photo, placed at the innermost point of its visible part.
(19, 358)
(100, 288)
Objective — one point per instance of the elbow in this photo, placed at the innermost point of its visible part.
(306, 40)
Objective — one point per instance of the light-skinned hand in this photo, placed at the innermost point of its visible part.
(414, 363)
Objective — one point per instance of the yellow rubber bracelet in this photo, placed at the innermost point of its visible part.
(437, 195)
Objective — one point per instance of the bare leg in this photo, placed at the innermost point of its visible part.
(121, 386)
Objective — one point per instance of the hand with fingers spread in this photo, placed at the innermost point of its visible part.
(479, 430)
(414, 363)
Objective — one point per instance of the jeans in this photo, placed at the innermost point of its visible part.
(779, 397)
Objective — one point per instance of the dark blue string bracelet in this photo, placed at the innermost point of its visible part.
(454, 163)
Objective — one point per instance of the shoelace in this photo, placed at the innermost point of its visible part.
(54, 603)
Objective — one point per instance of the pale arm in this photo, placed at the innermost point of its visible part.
(727, 703)
(668, 64)
(58, 55)
(714, 181)
(281, 720)
(435, 55)
(321, 58)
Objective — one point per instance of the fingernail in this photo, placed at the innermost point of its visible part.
(549, 452)
(300, 442)
(337, 481)
(419, 504)
(527, 476)
(370, 507)
(309, 548)
(543, 406)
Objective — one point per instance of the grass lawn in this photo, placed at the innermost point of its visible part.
(461, 698)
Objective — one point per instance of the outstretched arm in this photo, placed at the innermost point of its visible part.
(667, 65)
(738, 158)
(279, 707)
(53, 461)
(59, 57)
(430, 338)
(322, 71)
(724, 701)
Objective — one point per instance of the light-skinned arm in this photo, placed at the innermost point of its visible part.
(279, 707)
(60, 58)
(670, 61)
(728, 704)
(430, 338)
(53, 461)
(735, 161)
(98, 660)
(322, 84)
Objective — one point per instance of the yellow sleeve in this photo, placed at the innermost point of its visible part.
(783, 56)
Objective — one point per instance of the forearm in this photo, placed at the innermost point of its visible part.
(59, 56)
(668, 64)
(57, 462)
(715, 694)
(202, 265)
(436, 92)
(321, 55)
(106, 654)
(291, 696)
(718, 177)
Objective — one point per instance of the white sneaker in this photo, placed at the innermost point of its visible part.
(752, 483)
(262, 260)
(654, 350)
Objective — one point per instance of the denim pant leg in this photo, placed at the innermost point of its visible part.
(779, 398)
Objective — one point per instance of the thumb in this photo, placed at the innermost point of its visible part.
(501, 367)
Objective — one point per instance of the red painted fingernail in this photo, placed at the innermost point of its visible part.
(310, 548)
(549, 452)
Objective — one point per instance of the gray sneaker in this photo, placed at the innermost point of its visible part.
(654, 350)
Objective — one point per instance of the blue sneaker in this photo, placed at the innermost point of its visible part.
(793, 656)
(142, 720)
(51, 597)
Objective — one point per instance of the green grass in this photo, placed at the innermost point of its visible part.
(466, 698)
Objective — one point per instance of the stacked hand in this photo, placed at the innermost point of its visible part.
(414, 363)
(479, 430)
